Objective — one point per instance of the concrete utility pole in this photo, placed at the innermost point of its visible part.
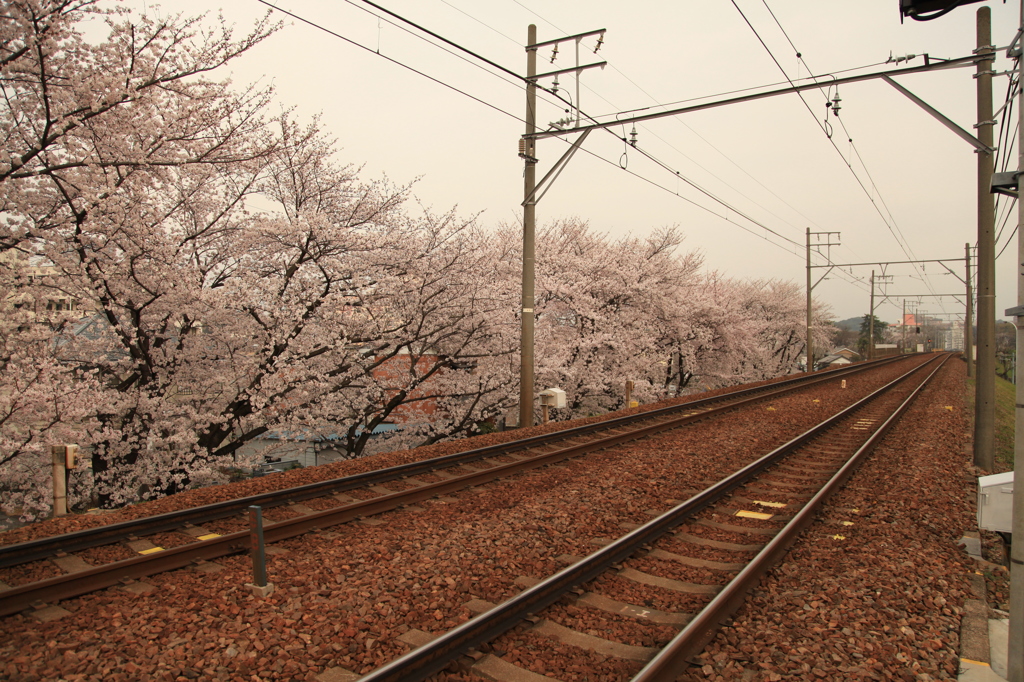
(969, 321)
(903, 342)
(985, 382)
(529, 153)
(871, 320)
(827, 243)
(1015, 644)
(532, 193)
(809, 367)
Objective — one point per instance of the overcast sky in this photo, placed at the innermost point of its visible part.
(912, 181)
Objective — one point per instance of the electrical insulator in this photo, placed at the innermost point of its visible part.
(522, 147)
(632, 136)
(835, 103)
(600, 42)
(554, 54)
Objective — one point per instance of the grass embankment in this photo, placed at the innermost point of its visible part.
(1006, 399)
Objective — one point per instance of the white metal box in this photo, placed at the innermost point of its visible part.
(995, 502)
(553, 397)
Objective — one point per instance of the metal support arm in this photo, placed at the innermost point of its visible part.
(975, 142)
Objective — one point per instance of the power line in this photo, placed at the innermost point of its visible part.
(673, 147)
(720, 152)
(482, 23)
(906, 249)
(704, 208)
(442, 39)
(660, 163)
(1009, 240)
(715, 198)
(616, 69)
(893, 227)
(481, 101)
(677, 174)
(1005, 143)
(731, 208)
(520, 81)
(390, 59)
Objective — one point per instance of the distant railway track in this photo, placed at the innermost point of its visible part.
(455, 472)
(778, 496)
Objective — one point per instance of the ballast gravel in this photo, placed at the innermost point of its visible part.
(883, 602)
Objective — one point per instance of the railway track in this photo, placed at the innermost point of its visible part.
(449, 473)
(760, 509)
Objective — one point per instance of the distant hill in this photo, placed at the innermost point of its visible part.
(850, 325)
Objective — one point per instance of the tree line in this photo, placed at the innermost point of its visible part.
(184, 273)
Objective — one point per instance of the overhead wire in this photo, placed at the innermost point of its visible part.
(1009, 240)
(631, 81)
(896, 233)
(509, 114)
(482, 23)
(492, 106)
(491, 63)
(1005, 144)
(704, 208)
(434, 35)
(799, 254)
(842, 273)
(788, 79)
(390, 59)
(893, 227)
(519, 82)
(715, 198)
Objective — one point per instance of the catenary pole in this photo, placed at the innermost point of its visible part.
(903, 342)
(969, 322)
(1015, 642)
(985, 381)
(810, 342)
(529, 229)
(871, 321)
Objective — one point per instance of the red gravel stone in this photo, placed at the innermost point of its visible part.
(886, 599)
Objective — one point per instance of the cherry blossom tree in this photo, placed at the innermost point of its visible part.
(776, 313)
(642, 310)
(232, 281)
(602, 310)
(85, 127)
(238, 281)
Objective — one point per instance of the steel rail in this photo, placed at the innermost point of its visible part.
(424, 661)
(69, 585)
(672, 661)
(42, 548)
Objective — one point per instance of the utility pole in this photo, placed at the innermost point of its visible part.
(985, 381)
(871, 314)
(903, 342)
(809, 366)
(828, 243)
(969, 322)
(529, 154)
(533, 191)
(871, 321)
